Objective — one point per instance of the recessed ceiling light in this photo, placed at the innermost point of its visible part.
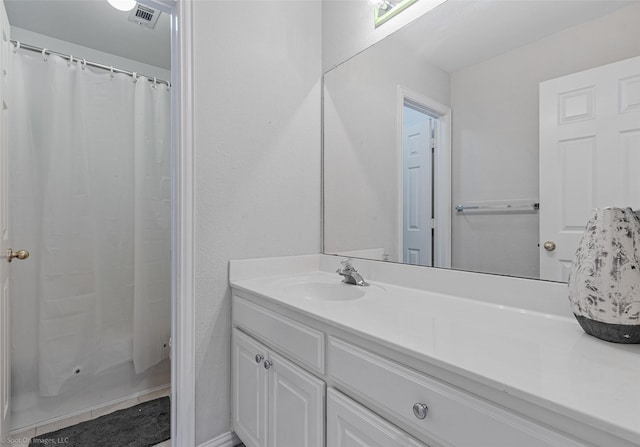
(123, 5)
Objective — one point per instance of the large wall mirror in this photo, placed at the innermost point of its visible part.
(481, 135)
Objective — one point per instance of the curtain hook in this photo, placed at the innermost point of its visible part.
(134, 75)
(44, 54)
(84, 63)
(112, 74)
(16, 47)
(70, 63)
(155, 81)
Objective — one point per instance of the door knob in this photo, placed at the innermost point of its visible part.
(549, 245)
(267, 364)
(259, 358)
(20, 254)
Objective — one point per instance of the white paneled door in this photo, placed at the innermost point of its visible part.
(5, 342)
(589, 155)
(417, 185)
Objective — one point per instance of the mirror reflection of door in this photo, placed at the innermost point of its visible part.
(418, 146)
(589, 155)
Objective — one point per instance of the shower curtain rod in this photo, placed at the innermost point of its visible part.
(19, 45)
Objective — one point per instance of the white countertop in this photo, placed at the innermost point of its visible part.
(540, 357)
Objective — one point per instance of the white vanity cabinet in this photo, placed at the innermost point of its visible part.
(275, 402)
(312, 373)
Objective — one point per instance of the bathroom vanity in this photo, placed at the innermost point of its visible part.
(443, 358)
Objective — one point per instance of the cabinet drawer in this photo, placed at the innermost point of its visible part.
(297, 341)
(454, 418)
(350, 424)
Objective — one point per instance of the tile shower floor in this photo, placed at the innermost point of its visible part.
(22, 439)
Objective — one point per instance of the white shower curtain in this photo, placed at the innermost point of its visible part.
(90, 199)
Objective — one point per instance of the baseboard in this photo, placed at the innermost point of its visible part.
(228, 439)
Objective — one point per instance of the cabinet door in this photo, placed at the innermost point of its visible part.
(296, 406)
(249, 390)
(351, 425)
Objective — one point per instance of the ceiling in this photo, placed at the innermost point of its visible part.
(95, 24)
(460, 33)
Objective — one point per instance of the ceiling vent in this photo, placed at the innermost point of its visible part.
(143, 15)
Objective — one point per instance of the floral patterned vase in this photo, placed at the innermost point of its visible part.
(604, 283)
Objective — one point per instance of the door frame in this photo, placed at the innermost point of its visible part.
(442, 172)
(183, 359)
(183, 376)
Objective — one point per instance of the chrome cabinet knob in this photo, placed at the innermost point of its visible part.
(549, 245)
(259, 358)
(420, 410)
(267, 364)
(20, 254)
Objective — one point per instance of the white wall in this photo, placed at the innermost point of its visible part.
(360, 127)
(78, 51)
(495, 136)
(257, 108)
(257, 80)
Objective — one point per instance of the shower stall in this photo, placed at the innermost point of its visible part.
(90, 200)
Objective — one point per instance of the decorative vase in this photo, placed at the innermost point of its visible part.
(604, 283)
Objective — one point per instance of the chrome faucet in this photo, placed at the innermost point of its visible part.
(351, 275)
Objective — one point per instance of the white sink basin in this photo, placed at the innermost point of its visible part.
(321, 287)
(323, 291)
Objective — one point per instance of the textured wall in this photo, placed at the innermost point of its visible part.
(257, 107)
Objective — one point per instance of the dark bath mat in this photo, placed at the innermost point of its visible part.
(144, 425)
